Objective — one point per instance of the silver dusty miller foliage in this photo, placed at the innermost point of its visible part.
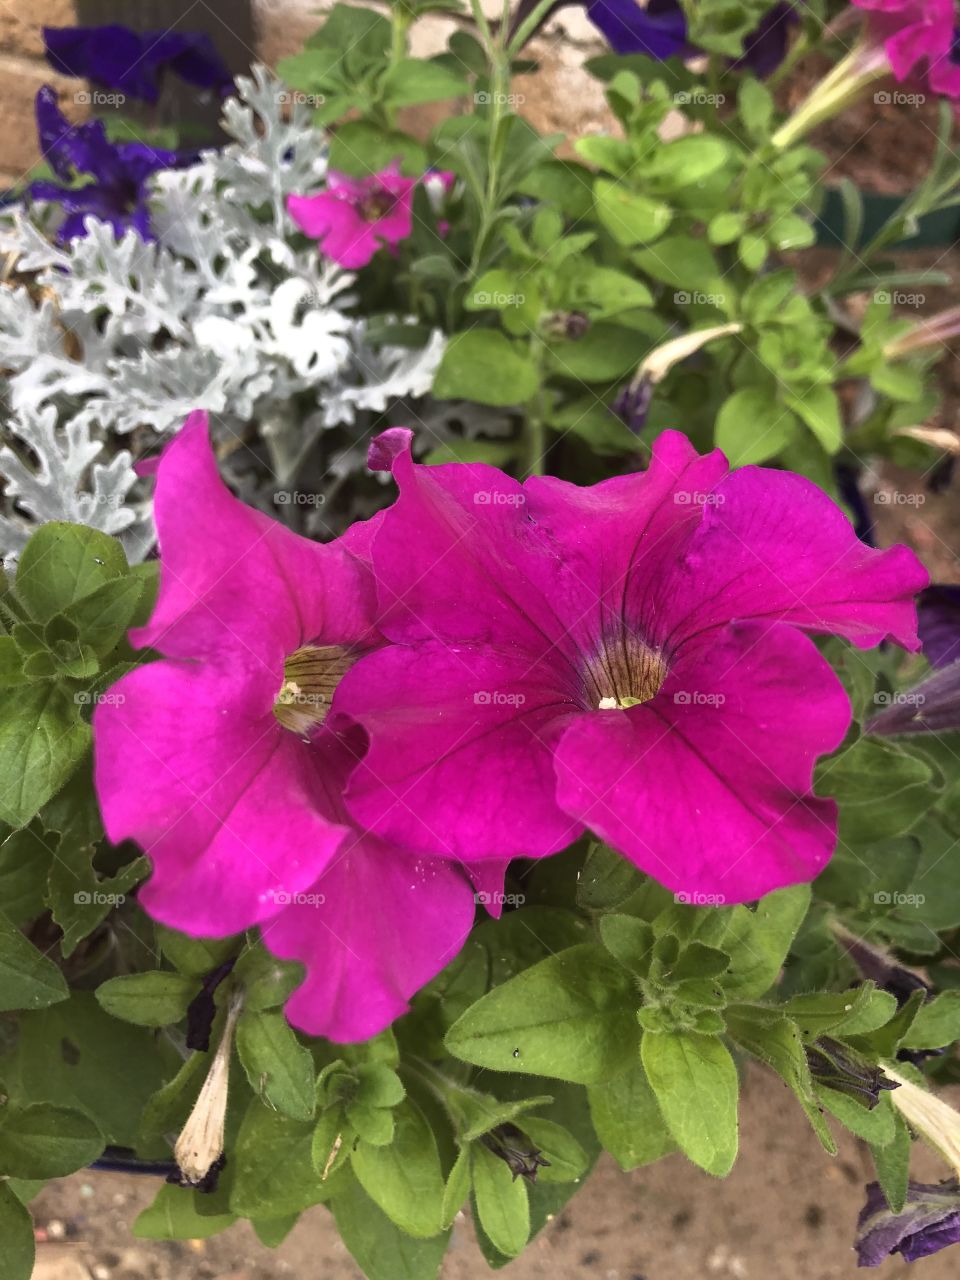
(108, 344)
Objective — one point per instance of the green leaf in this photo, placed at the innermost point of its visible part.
(865, 815)
(196, 957)
(46, 1141)
(405, 1178)
(568, 1160)
(629, 940)
(818, 1012)
(752, 427)
(360, 147)
(878, 1127)
(630, 218)
(755, 107)
(274, 1174)
(103, 617)
(819, 408)
(272, 1232)
(628, 1119)
(42, 740)
(62, 563)
(936, 1024)
(776, 1041)
(569, 1017)
(77, 1056)
(280, 1069)
(685, 262)
(28, 979)
(174, 1216)
(502, 1204)
(11, 663)
(152, 999)
(17, 1248)
(413, 80)
(484, 366)
(606, 880)
(25, 858)
(695, 1082)
(78, 899)
(892, 1163)
(380, 1248)
(457, 1187)
(267, 981)
(758, 941)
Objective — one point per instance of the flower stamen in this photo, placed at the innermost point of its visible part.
(625, 673)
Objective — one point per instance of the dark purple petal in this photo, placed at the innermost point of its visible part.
(67, 146)
(932, 706)
(766, 45)
(938, 622)
(659, 31)
(928, 1222)
(132, 62)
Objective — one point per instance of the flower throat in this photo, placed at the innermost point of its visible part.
(310, 677)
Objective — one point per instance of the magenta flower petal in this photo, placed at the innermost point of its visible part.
(354, 217)
(772, 545)
(442, 716)
(192, 764)
(233, 581)
(371, 931)
(576, 612)
(707, 787)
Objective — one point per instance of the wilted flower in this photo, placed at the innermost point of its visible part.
(226, 760)
(932, 706)
(199, 1148)
(938, 622)
(354, 217)
(837, 1067)
(927, 1223)
(626, 657)
(513, 1146)
(133, 62)
(117, 195)
(929, 1116)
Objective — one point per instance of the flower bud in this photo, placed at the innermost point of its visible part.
(514, 1147)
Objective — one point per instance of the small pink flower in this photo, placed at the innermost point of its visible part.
(354, 217)
(918, 37)
(227, 759)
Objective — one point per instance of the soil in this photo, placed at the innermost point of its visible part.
(787, 1210)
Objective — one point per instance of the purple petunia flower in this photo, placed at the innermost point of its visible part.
(117, 195)
(133, 62)
(354, 217)
(928, 1222)
(659, 30)
(227, 763)
(938, 614)
(626, 657)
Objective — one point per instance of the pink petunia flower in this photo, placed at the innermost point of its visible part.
(354, 217)
(223, 762)
(627, 657)
(919, 36)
